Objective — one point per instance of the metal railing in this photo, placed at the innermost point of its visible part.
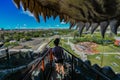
(74, 61)
(38, 64)
(79, 61)
(30, 66)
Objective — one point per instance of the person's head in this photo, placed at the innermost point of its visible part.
(56, 41)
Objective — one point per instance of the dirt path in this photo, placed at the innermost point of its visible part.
(77, 51)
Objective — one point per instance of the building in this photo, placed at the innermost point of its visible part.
(1, 29)
(117, 41)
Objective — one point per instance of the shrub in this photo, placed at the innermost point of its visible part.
(7, 44)
(27, 38)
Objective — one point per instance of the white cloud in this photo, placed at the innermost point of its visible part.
(57, 25)
(63, 23)
(27, 13)
(16, 27)
(24, 24)
(23, 27)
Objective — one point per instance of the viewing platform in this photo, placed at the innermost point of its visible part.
(43, 68)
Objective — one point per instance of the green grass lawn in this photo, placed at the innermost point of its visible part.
(108, 48)
(112, 60)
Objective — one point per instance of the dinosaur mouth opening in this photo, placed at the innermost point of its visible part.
(40, 7)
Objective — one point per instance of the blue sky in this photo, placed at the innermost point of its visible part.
(12, 18)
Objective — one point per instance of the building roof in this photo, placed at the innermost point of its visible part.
(117, 38)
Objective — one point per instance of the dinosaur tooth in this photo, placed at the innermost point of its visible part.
(72, 23)
(80, 25)
(36, 14)
(114, 24)
(103, 27)
(31, 5)
(44, 16)
(17, 2)
(66, 18)
(24, 4)
(48, 13)
(36, 11)
(27, 3)
(44, 13)
(61, 18)
(76, 27)
(54, 15)
(36, 8)
(93, 26)
(87, 25)
(39, 10)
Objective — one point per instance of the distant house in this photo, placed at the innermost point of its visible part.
(56, 33)
(1, 29)
(117, 41)
(13, 41)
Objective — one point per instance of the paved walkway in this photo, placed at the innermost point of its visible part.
(42, 46)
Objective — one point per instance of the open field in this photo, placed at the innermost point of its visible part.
(108, 48)
(112, 60)
(94, 48)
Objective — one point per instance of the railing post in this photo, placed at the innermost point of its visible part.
(43, 68)
(72, 68)
(51, 56)
(50, 60)
(8, 57)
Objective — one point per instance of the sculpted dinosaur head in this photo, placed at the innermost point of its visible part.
(82, 13)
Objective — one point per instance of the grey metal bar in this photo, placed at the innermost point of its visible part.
(72, 68)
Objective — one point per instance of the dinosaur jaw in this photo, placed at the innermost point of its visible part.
(72, 13)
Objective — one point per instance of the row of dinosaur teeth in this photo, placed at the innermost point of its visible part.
(34, 7)
(37, 9)
(114, 24)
